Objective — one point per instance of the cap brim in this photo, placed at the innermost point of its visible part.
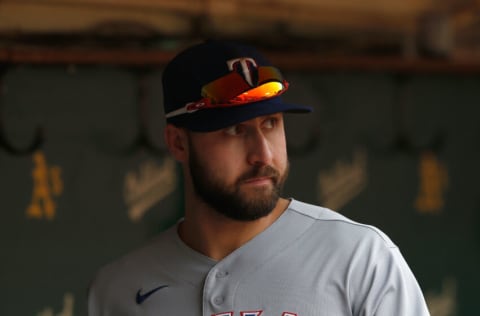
(209, 120)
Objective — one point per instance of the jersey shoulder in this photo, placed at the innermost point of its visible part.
(136, 262)
(340, 225)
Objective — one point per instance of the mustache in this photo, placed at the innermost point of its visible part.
(262, 171)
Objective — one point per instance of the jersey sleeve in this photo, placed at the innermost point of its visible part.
(383, 284)
(101, 293)
(403, 295)
(93, 301)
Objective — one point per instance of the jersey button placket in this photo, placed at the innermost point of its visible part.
(217, 290)
(221, 274)
(218, 300)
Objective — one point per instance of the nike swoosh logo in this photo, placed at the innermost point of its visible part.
(140, 298)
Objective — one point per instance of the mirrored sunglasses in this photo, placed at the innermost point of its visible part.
(233, 90)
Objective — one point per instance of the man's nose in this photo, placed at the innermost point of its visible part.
(260, 150)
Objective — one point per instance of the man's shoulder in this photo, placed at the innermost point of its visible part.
(137, 261)
(339, 225)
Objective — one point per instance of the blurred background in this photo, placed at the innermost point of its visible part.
(394, 140)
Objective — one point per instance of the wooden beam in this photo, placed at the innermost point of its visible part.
(298, 61)
(50, 56)
(175, 16)
(26, 17)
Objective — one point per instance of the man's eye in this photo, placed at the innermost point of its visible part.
(233, 130)
(270, 123)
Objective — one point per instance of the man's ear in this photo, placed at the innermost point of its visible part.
(177, 142)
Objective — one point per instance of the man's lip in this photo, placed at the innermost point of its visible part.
(258, 180)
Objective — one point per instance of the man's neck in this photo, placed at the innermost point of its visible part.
(215, 235)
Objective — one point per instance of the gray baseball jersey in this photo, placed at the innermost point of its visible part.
(310, 262)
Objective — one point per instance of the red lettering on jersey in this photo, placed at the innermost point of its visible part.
(254, 313)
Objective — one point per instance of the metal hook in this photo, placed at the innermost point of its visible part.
(402, 142)
(143, 139)
(314, 139)
(4, 143)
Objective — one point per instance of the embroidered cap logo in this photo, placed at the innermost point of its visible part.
(246, 65)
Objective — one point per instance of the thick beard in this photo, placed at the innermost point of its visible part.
(229, 200)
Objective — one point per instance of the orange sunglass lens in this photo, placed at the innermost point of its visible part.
(266, 90)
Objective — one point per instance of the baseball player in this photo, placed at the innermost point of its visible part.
(242, 249)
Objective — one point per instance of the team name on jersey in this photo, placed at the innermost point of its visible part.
(252, 313)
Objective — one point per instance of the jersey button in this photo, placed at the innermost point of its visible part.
(218, 300)
(221, 274)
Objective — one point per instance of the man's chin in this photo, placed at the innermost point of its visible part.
(247, 205)
(257, 193)
(260, 196)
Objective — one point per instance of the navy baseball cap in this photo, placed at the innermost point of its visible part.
(222, 63)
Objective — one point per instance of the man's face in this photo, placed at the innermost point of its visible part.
(240, 171)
